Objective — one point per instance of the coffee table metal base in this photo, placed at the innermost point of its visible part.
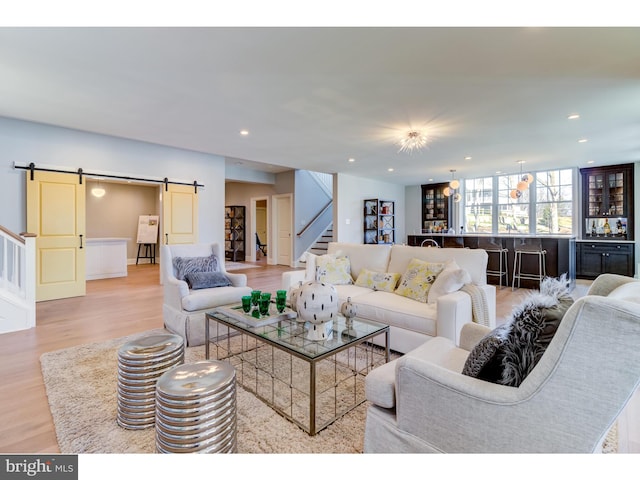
(313, 390)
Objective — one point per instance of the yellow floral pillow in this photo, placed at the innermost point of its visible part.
(380, 281)
(336, 271)
(418, 278)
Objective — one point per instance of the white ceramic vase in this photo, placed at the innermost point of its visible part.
(317, 304)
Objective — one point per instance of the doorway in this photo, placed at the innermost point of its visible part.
(282, 222)
(259, 230)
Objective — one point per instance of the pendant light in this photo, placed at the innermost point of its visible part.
(525, 182)
(451, 189)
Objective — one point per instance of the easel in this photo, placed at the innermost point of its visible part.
(147, 237)
(149, 252)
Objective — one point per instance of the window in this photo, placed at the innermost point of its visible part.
(492, 206)
(513, 211)
(478, 206)
(554, 202)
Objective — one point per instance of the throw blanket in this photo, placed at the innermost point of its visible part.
(479, 306)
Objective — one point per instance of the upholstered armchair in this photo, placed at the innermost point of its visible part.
(568, 402)
(185, 305)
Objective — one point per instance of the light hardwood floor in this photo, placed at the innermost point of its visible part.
(112, 308)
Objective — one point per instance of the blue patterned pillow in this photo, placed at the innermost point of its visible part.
(185, 265)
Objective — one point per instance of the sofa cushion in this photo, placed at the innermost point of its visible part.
(382, 281)
(184, 265)
(450, 280)
(207, 298)
(199, 280)
(473, 260)
(509, 353)
(392, 309)
(416, 281)
(372, 257)
(333, 270)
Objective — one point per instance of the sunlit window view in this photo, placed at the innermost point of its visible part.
(497, 205)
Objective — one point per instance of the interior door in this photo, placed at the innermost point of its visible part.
(283, 230)
(56, 214)
(180, 215)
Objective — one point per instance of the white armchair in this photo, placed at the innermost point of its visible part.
(422, 402)
(184, 309)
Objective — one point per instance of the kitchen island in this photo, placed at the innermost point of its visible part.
(560, 258)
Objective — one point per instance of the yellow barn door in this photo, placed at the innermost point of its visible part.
(56, 214)
(180, 215)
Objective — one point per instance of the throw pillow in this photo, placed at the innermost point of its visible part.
(184, 265)
(418, 279)
(333, 270)
(511, 351)
(378, 281)
(484, 361)
(200, 280)
(450, 280)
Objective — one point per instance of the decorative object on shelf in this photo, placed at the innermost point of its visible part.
(348, 311)
(234, 235)
(525, 182)
(412, 140)
(451, 190)
(317, 304)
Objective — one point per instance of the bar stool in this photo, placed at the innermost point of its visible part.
(494, 246)
(528, 246)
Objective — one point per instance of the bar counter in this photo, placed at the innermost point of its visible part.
(560, 258)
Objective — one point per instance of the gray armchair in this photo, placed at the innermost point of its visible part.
(568, 402)
(183, 309)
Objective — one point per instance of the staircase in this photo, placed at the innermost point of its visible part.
(17, 281)
(322, 243)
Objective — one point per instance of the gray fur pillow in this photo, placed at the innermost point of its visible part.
(509, 353)
(185, 265)
(200, 280)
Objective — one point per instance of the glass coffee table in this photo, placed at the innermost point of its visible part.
(311, 383)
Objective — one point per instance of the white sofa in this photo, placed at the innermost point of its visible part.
(412, 322)
(183, 309)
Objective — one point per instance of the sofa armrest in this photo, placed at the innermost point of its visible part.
(292, 279)
(174, 291)
(471, 334)
(454, 310)
(237, 279)
(490, 296)
(604, 284)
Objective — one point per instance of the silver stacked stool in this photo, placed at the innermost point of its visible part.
(533, 247)
(196, 409)
(140, 363)
(494, 246)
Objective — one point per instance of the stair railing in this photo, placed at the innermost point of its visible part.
(315, 219)
(18, 269)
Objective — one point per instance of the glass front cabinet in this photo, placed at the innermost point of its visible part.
(607, 222)
(435, 208)
(608, 202)
(234, 233)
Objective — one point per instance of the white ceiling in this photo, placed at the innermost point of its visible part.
(314, 97)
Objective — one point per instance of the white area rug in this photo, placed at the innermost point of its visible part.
(82, 393)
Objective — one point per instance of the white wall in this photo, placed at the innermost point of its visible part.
(26, 142)
(350, 193)
(413, 210)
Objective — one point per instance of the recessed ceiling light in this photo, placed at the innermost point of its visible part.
(244, 132)
(590, 162)
(521, 161)
(583, 140)
(389, 169)
(573, 116)
(351, 160)
(467, 157)
(431, 179)
(498, 171)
